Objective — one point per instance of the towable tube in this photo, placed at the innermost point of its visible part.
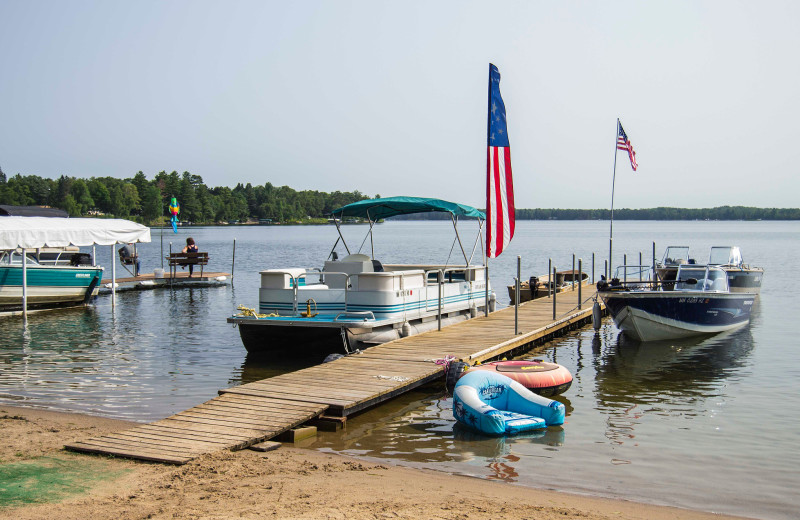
(495, 404)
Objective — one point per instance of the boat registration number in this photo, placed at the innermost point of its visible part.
(693, 300)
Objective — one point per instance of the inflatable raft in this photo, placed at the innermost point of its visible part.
(494, 404)
(546, 379)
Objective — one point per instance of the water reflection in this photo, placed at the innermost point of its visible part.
(667, 378)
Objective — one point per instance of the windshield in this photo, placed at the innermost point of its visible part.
(702, 279)
(725, 256)
(676, 255)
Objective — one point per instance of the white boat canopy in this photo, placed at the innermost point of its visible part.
(36, 232)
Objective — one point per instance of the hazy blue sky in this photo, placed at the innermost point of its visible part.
(390, 97)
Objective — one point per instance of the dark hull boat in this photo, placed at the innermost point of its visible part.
(698, 301)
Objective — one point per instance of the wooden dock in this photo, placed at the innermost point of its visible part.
(251, 413)
(146, 281)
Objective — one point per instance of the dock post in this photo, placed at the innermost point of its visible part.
(625, 267)
(654, 261)
(170, 268)
(518, 296)
(233, 259)
(605, 269)
(486, 288)
(94, 256)
(113, 277)
(554, 292)
(640, 266)
(592, 267)
(549, 280)
(439, 280)
(25, 287)
(580, 281)
(573, 271)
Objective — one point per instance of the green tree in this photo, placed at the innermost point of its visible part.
(80, 193)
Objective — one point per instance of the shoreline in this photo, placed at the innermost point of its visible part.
(290, 482)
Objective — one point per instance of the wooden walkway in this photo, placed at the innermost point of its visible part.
(251, 413)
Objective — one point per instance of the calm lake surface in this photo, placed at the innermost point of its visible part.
(708, 424)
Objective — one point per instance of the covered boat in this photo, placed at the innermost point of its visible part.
(494, 404)
(358, 301)
(42, 285)
(697, 301)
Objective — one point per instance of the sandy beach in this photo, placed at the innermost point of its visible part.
(290, 482)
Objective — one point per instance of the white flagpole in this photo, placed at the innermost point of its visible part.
(611, 230)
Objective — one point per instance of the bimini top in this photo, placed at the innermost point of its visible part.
(376, 209)
(33, 232)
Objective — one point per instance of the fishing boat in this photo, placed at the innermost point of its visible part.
(540, 286)
(697, 301)
(359, 301)
(741, 277)
(27, 283)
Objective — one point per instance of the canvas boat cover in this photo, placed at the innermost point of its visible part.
(376, 209)
(35, 232)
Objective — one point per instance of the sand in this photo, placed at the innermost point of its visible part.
(290, 482)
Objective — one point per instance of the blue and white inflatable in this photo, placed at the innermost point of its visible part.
(495, 404)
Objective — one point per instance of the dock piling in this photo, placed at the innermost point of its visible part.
(233, 258)
(580, 280)
(573, 271)
(517, 295)
(554, 291)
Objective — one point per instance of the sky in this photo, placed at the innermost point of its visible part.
(390, 98)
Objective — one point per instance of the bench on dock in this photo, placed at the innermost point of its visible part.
(176, 260)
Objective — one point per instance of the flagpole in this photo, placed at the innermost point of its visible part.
(611, 230)
(486, 252)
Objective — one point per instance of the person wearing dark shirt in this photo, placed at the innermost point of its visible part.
(190, 248)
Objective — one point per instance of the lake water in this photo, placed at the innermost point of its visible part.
(708, 424)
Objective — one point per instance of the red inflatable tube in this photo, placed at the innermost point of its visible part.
(545, 379)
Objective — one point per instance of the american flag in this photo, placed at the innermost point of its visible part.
(623, 143)
(499, 184)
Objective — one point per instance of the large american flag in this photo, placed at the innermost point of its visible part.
(499, 184)
(623, 143)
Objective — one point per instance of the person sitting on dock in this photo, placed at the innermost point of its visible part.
(128, 256)
(190, 248)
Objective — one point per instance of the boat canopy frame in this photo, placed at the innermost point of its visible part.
(377, 209)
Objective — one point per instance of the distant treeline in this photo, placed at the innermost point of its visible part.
(720, 213)
(146, 201)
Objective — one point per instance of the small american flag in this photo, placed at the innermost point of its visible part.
(623, 143)
(499, 183)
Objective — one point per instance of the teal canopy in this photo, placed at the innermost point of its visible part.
(376, 209)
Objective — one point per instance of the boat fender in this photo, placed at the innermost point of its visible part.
(405, 330)
(473, 310)
(597, 316)
(492, 302)
(332, 357)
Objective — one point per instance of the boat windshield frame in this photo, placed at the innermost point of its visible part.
(708, 278)
(732, 254)
(14, 258)
(674, 254)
